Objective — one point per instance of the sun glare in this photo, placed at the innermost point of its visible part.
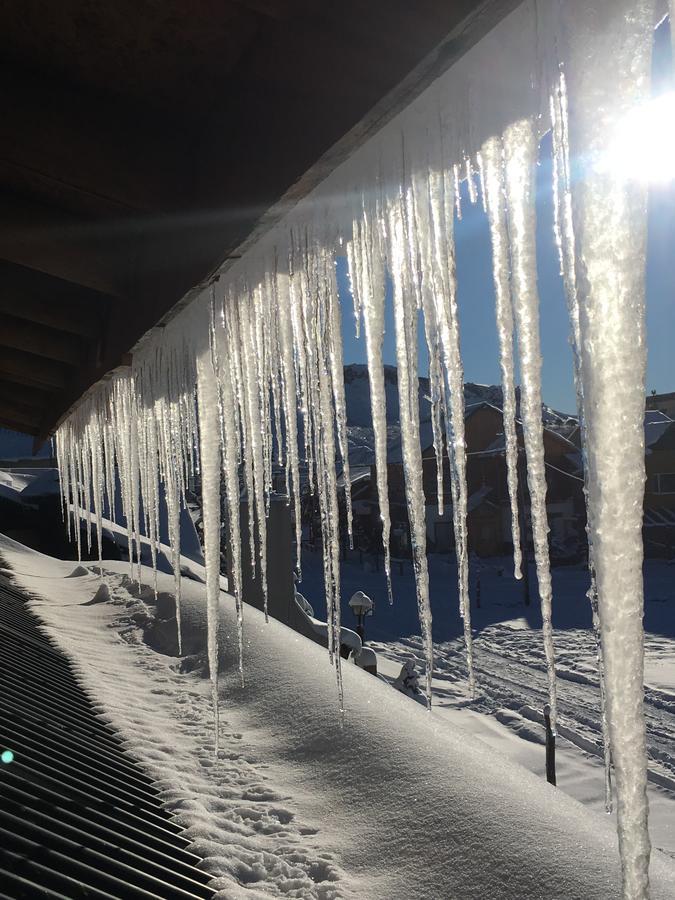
(643, 146)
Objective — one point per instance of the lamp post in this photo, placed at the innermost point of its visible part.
(361, 605)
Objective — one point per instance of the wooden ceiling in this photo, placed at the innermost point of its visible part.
(141, 142)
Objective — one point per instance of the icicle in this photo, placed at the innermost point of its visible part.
(75, 496)
(471, 184)
(98, 488)
(290, 407)
(235, 344)
(327, 489)
(492, 169)
(229, 439)
(445, 300)
(564, 235)
(334, 348)
(406, 354)
(64, 481)
(458, 195)
(367, 275)
(209, 459)
(419, 237)
(255, 426)
(609, 218)
(173, 510)
(85, 480)
(520, 149)
(355, 273)
(481, 180)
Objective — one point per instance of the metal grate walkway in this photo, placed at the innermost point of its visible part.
(77, 817)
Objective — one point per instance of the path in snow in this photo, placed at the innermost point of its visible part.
(511, 675)
(245, 828)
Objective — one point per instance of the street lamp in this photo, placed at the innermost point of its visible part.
(361, 605)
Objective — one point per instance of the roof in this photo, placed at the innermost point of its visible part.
(146, 144)
(478, 497)
(656, 425)
(656, 398)
(78, 816)
(659, 517)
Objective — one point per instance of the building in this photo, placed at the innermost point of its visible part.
(664, 403)
(488, 504)
(659, 504)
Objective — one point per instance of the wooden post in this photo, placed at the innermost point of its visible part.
(550, 747)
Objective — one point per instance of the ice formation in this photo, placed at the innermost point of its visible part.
(492, 169)
(367, 271)
(564, 236)
(249, 374)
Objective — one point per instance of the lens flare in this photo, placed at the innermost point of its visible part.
(643, 145)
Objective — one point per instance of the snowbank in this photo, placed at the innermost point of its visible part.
(404, 807)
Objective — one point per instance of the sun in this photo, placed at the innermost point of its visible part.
(643, 145)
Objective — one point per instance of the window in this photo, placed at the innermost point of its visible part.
(665, 483)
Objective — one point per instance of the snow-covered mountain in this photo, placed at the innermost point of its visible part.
(359, 419)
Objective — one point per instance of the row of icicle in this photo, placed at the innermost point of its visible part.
(251, 375)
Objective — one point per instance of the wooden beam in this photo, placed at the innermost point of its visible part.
(31, 370)
(28, 294)
(40, 340)
(33, 397)
(6, 422)
(17, 412)
(54, 314)
(41, 237)
(88, 147)
(304, 91)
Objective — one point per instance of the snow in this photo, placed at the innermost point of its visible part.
(19, 484)
(511, 672)
(396, 803)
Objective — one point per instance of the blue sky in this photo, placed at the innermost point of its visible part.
(476, 291)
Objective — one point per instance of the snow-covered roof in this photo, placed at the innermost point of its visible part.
(387, 775)
(21, 484)
(117, 817)
(656, 424)
(16, 446)
(475, 499)
(356, 473)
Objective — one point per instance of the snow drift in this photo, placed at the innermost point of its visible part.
(404, 808)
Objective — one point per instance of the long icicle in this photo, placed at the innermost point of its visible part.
(405, 315)
(209, 461)
(229, 439)
(444, 283)
(610, 231)
(290, 403)
(492, 168)
(564, 235)
(520, 150)
(367, 277)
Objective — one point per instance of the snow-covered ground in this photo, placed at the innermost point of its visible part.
(511, 671)
(393, 803)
